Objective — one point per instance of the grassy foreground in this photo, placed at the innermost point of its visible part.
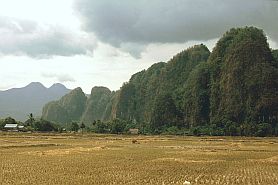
(107, 159)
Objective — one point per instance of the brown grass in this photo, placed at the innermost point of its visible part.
(107, 159)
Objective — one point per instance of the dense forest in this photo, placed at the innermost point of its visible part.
(229, 91)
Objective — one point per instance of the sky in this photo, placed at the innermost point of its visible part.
(87, 43)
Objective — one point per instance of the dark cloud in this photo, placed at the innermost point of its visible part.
(21, 37)
(127, 22)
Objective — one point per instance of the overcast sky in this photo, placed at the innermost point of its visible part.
(86, 43)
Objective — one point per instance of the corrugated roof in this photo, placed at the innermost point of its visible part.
(10, 126)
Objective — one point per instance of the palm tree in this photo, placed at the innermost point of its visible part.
(82, 126)
(31, 119)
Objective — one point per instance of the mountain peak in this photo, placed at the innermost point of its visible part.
(18, 102)
(35, 85)
(57, 86)
(100, 89)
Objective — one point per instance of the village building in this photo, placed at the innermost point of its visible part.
(13, 127)
(134, 131)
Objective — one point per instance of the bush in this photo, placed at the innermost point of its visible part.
(117, 126)
(173, 130)
(45, 126)
(74, 127)
(100, 127)
(2, 124)
(263, 129)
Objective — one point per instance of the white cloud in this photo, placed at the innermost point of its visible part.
(62, 78)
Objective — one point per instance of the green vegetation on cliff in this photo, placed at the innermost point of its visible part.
(98, 105)
(230, 91)
(196, 103)
(243, 78)
(136, 98)
(275, 55)
(69, 108)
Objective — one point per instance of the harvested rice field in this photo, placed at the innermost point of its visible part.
(28, 158)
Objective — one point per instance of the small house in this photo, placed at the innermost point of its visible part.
(134, 131)
(20, 127)
(13, 127)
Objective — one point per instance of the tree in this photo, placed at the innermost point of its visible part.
(74, 127)
(30, 121)
(100, 127)
(9, 120)
(263, 129)
(82, 126)
(45, 126)
(31, 117)
(2, 124)
(231, 128)
(117, 126)
(165, 113)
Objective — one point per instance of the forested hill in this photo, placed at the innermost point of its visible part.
(232, 89)
(275, 55)
(98, 106)
(243, 84)
(69, 108)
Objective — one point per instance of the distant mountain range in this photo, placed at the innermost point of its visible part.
(19, 102)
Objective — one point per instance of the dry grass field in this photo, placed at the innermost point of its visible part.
(106, 159)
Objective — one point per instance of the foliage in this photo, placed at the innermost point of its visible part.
(74, 126)
(196, 96)
(263, 129)
(139, 98)
(136, 98)
(275, 55)
(69, 108)
(30, 121)
(117, 126)
(2, 124)
(98, 105)
(9, 120)
(45, 126)
(230, 91)
(165, 113)
(37, 125)
(101, 127)
(243, 85)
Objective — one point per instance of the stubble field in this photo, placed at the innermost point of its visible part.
(106, 159)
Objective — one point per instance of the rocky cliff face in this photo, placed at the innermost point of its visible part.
(69, 108)
(236, 83)
(98, 105)
(243, 74)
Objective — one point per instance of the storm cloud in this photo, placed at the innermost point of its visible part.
(22, 37)
(139, 23)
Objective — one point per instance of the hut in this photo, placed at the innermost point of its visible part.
(13, 127)
(134, 131)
